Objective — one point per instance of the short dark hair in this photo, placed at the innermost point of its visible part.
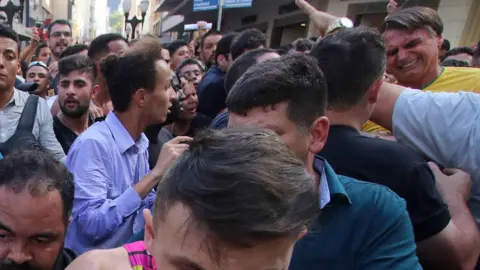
(60, 22)
(459, 50)
(190, 61)
(80, 63)
(445, 45)
(241, 65)
(413, 18)
(7, 32)
(99, 46)
(135, 69)
(454, 63)
(38, 173)
(73, 49)
(351, 60)
(248, 39)
(235, 202)
(39, 47)
(212, 32)
(174, 46)
(223, 46)
(303, 44)
(285, 49)
(295, 79)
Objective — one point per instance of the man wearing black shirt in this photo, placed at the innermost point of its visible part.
(353, 61)
(76, 88)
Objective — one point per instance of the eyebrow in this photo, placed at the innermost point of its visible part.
(46, 235)
(5, 228)
(185, 262)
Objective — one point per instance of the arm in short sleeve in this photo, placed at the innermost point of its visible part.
(389, 242)
(97, 215)
(46, 134)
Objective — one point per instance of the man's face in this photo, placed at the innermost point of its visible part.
(75, 94)
(38, 74)
(275, 119)
(181, 54)
(117, 46)
(192, 73)
(44, 54)
(461, 57)
(8, 63)
(177, 245)
(411, 54)
(207, 52)
(59, 39)
(32, 230)
(159, 101)
(190, 104)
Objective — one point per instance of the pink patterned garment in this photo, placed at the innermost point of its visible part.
(139, 257)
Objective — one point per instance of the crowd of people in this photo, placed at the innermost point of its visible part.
(351, 150)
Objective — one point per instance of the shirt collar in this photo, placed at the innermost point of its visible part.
(15, 99)
(333, 191)
(121, 136)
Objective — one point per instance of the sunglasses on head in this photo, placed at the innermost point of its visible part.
(37, 63)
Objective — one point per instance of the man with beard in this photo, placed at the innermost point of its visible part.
(36, 198)
(59, 38)
(77, 85)
(208, 46)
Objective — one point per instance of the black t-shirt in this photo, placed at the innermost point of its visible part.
(64, 135)
(393, 165)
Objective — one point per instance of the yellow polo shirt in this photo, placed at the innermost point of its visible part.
(452, 79)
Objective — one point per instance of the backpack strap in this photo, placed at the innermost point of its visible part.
(27, 119)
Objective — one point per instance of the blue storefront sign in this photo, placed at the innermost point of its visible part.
(201, 5)
(237, 3)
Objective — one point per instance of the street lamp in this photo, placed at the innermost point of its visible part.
(127, 4)
(12, 8)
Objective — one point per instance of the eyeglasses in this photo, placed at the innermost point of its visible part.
(37, 63)
(59, 34)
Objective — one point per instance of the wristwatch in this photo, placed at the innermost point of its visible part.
(339, 23)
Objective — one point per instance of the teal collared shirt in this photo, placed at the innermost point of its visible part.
(363, 226)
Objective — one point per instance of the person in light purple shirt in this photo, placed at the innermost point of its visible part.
(109, 161)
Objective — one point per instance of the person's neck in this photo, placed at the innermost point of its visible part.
(53, 58)
(77, 125)
(181, 127)
(132, 122)
(354, 118)
(310, 166)
(5, 96)
(430, 76)
(104, 102)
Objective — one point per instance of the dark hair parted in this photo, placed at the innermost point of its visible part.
(351, 60)
(59, 22)
(135, 69)
(211, 32)
(73, 49)
(7, 32)
(99, 46)
(81, 63)
(175, 46)
(223, 46)
(248, 39)
(242, 186)
(285, 49)
(303, 44)
(454, 63)
(414, 18)
(39, 47)
(241, 65)
(459, 50)
(190, 61)
(38, 173)
(294, 79)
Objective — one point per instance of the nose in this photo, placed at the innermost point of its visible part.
(19, 253)
(402, 54)
(171, 93)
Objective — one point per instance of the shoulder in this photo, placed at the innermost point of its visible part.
(94, 141)
(102, 260)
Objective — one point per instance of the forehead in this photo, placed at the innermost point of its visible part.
(163, 69)
(45, 50)
(8, 44)
(397, 37)
(76, 75)
(182, 49)
(37, 69)
(23, 212)
(117, 46)
(191, 67)
(60, 27)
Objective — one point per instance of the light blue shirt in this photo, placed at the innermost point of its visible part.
(106, 163)
(446, 128)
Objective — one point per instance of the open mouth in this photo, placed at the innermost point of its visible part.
(409, 64)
